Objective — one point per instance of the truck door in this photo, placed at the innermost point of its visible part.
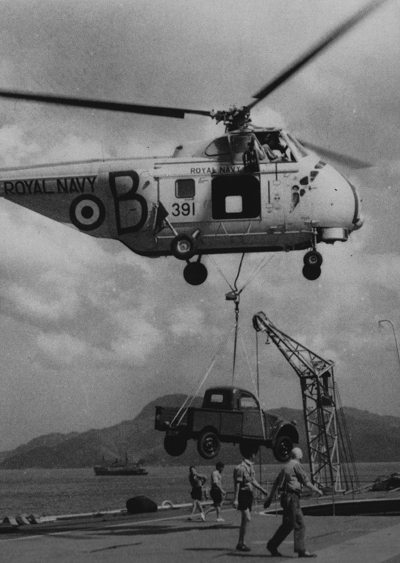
(252, 418)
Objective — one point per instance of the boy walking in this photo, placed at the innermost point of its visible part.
(217, 493)
(245, 480)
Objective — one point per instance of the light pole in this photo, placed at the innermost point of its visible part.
(394, 334)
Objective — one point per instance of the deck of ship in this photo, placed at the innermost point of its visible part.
(168, 535)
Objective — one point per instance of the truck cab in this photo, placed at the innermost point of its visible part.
(229, 398)
(227, 415)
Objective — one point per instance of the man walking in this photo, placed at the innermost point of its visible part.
(289, 482)
(245, 481)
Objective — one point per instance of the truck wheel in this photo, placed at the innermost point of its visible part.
(208, 444)
(247, 447)
(283, 447)
(175, 446)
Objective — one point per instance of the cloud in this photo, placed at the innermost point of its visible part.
(15, 147)
(137, 338)
(43, 301)
(44, 264)
(394, 170)
(61, 348)
(187, 320)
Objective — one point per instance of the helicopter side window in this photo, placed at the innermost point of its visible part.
(218, 148)
(240, 145)
(185, 188)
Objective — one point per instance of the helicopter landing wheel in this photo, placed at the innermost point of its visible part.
(311, 273)
(195, 273)
(312, 259)
(183, 247)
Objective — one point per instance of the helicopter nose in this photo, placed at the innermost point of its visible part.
(358, 220)
(339, 204)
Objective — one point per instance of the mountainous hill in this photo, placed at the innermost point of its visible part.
(374, 438)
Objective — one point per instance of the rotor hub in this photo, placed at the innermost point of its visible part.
(234, 118)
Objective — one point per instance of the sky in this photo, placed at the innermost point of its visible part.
(91, 332)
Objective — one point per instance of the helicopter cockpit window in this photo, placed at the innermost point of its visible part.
(185, 188)
(276, 147)
(219, 147)
(298, 145)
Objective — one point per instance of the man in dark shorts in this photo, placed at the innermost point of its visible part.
(217, 493)
(245, 480)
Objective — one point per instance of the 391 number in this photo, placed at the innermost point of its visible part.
(183, 209)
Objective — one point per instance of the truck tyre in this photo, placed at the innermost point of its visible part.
(175, 446)
(208, 444)
(247, 447)
(282, 448)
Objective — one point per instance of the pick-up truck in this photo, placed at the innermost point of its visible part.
(228, 414)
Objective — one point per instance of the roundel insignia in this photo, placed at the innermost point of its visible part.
(87, 212)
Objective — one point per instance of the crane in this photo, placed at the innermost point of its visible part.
(330, 455)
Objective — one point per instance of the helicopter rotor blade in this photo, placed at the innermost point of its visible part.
(338, 157)
(178, 113)
(314, 51)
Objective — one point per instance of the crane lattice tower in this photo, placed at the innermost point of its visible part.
(329, 451)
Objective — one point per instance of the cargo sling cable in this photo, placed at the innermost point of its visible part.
(233, 295)
(190, 398)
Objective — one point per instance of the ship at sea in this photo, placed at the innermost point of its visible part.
(119, 467)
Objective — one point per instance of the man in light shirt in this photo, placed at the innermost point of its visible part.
(290, 482)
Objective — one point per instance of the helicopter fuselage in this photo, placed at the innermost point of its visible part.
(212, 199)
(254, 189)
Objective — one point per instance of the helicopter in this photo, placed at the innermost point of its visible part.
(251, 189)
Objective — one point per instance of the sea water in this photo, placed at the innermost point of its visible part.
(53, 492)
